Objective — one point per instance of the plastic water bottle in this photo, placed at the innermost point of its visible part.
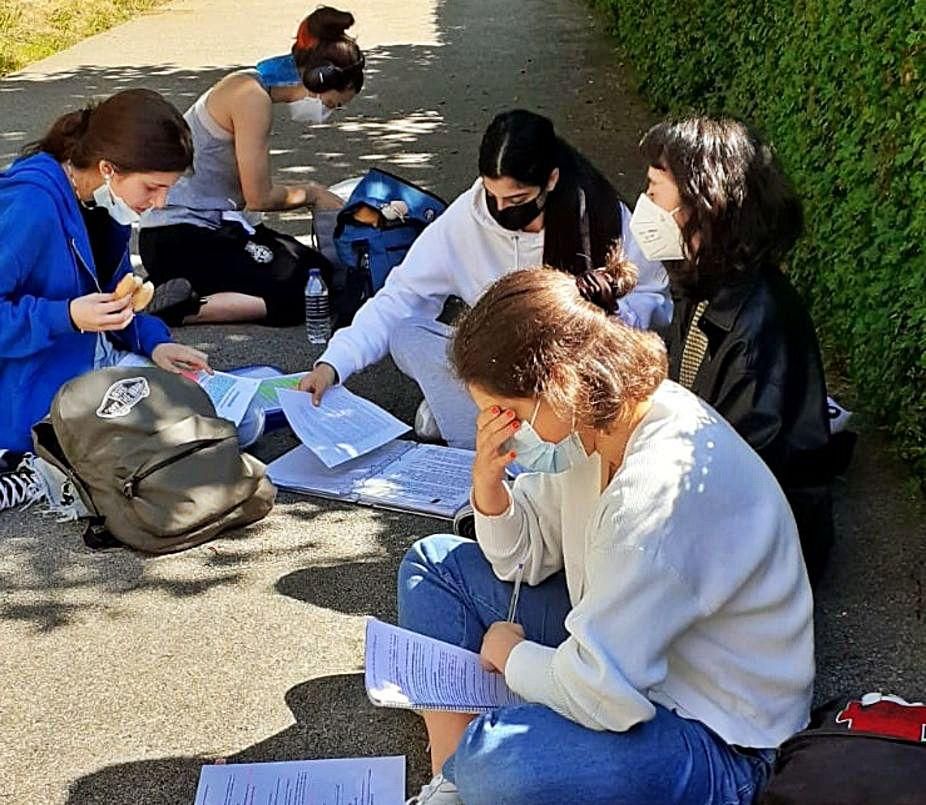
(317, 311)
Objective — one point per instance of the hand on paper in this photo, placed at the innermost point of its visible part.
(318, 381)
(494, 427)
(179, 358)
(497, 644)
(99, 312)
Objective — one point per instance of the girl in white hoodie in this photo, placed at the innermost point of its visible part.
(537, 201)
(663, 640)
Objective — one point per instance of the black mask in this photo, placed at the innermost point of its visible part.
(518, 216)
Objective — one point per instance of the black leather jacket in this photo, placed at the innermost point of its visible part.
(763, 373)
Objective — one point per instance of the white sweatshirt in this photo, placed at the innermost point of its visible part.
(686, 579)
(461, 254)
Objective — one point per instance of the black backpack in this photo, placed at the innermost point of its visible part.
(869, 750)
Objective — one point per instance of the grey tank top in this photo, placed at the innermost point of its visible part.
(212, 193)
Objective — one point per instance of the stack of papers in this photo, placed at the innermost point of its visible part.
(342, 781)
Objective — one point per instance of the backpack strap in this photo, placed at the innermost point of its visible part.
(97, 536)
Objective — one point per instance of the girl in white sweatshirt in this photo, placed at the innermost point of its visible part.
(537, 201)
(664, 638)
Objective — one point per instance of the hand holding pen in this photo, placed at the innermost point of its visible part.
(503, 636)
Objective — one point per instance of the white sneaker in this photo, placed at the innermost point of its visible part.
(426, 429)
(21, 487)
(839, 416)
(440, 791)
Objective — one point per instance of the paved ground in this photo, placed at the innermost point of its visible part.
(120, 673)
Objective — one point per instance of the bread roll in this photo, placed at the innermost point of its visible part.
(142, 296)
(127, 285)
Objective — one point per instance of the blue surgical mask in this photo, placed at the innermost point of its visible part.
(534, 454)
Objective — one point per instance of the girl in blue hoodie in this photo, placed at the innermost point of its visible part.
(65, 214)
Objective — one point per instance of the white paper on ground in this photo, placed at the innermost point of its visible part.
(343, 427)
(408, 670)
(339, 781)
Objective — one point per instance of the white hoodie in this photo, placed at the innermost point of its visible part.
(461, 254)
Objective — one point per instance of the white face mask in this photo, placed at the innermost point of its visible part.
(309, 110)
(656, 232)
(118, 210)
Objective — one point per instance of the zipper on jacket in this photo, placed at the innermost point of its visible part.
(517, 251)
(96, 283)
(130, 485)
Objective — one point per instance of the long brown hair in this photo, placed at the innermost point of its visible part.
(545, 333)
(326, 57)
(741, 206)
(137, 130)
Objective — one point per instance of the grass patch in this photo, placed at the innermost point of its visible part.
(33, 29)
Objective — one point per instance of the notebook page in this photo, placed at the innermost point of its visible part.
(429, 479)
(300, 470)
(409, 670)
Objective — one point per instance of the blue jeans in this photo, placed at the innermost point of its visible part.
(419, 348)
(530, 754)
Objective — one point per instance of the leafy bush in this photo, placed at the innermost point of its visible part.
(837, 86)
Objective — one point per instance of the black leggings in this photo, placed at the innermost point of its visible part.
(267, 264)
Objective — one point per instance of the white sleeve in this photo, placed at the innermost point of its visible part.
(529, 531)
(632, 608)
(649, 305)
(418, 286)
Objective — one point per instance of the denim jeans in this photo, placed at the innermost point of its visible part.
(530, 754)
(419, 348)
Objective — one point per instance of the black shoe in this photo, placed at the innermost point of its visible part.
(464, 524)
(173, 301)
(10, 460)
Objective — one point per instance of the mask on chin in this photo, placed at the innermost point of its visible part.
(656, 232)
(309, 110)
(534, 454)
(518, 216)
(118, 210)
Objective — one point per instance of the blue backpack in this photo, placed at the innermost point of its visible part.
(374, 230)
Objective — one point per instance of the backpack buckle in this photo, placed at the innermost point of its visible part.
(128, 488)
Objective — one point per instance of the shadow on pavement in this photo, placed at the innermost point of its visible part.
(333, 718)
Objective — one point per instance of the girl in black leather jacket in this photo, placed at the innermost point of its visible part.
(721, 214)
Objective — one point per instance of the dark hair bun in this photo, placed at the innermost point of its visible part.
(327, 23)
(604, 286)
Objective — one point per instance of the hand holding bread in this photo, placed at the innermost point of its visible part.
(141, 291)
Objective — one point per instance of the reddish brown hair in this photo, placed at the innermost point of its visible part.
(545, 333)
(137, 130)
(326, 57)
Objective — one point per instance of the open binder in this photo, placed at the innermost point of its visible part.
(400, 475)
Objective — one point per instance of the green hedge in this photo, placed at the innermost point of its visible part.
(837, 86)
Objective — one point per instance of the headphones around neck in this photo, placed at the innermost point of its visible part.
(319, 78)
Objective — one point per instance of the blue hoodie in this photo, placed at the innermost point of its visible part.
(45, 262)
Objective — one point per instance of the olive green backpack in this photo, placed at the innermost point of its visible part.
(149, 458)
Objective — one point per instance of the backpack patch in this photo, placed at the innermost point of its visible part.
(121, 397)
